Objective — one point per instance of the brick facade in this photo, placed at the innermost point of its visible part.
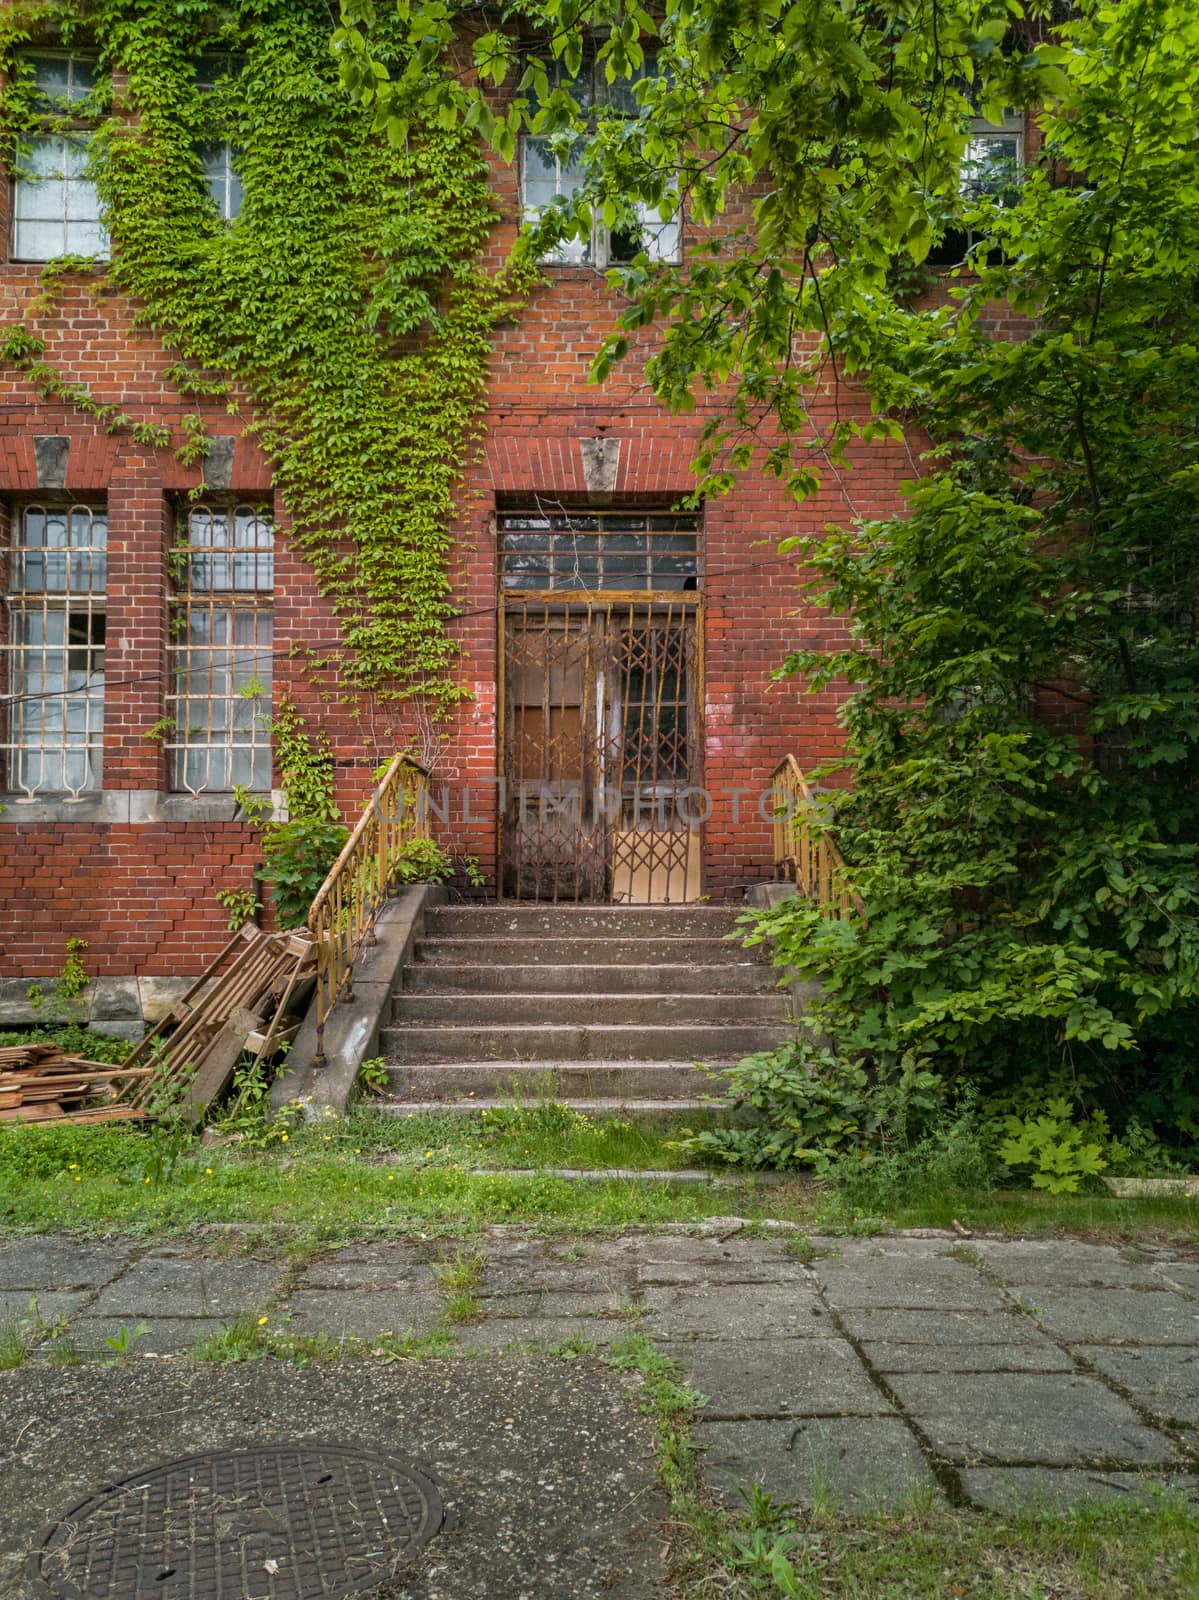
(133, 871)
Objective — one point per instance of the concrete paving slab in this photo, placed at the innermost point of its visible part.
(538, 1333)
(556, 1305)
(1113, 1316)
(163, 1336)
(691, 1273)
(1183, 1275)
(973, 1356)
(1064, 1262)
(1027, 1418)
(548, 1276)
(893, 1280)
(169, 1284)
(54, 1262)
(28, 1305)
(388, 1265)
(780, 1377)
(858, 1464)
(1020, 1490)
(361, 1314)
(967, 1328)
(750, 1311)
(1163, 1379)
(546, 1465)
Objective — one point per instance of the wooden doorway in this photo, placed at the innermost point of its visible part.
(601, 704)
(602, 747)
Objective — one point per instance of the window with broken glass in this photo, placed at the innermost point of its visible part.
(53, 650)
(612, 550)
(991, 164)
(551, 173)
(219, 688)
(56, 209)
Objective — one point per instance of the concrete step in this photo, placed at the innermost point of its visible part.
(474, 977)
(581, 921)
(687, 1041)
(640, 1109)
(587, 1009)
(490, 1081)
(587, 952)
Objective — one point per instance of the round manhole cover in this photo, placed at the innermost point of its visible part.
(280, 1522)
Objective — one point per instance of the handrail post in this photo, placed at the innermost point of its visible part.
(342, 917)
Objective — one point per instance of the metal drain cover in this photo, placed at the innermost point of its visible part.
(277, 1522)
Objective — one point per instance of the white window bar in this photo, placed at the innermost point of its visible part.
(53, 651)
(614, 550)
(549, 176)
(218, 161)
(219, 699)
(56, 210)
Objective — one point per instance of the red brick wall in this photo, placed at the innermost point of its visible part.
(142, 895)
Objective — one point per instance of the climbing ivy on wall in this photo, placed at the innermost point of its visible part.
(347, 298)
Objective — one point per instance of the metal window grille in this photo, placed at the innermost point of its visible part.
(221, 636)
(612, 550)
(53, 650)
(218, 161)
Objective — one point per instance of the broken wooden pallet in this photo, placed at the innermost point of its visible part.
(42, 1083)
(238, 1006)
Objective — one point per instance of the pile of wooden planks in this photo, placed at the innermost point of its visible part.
(240, 1008)
(41, 1083)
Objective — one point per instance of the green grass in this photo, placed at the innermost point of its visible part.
(462, 1273)
(324, 1184)
(370, 1175)
(461, 1306)
(257, 1338)
(21, 1333)
(535, 1134)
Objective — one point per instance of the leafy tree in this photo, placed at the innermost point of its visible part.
(1022, 816)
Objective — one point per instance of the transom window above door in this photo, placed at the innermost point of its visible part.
(609, 550)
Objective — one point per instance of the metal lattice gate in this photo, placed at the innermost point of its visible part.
(602, 745)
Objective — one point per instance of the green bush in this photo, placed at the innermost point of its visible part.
(296, 860)
(422, 860)
(811, 1108)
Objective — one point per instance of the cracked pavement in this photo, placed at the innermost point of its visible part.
(862, 1373)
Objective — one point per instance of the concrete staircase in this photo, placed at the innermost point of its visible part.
(603, 1007)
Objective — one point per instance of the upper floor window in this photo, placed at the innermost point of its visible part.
(219, 692)
(56, 209)
(990, 166)
(993, 158)
(551, 171)
(220, 174)
(53, 649)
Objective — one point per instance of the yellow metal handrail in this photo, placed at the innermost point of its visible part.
(361, 880)
(804, 851)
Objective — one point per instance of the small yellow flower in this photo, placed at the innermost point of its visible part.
(71, 1167)
(78, 1179)
(391, 1177)
(145, 1180)
(208, 1172)
(284, 1137)
(262, 1321)
(357, 1150)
